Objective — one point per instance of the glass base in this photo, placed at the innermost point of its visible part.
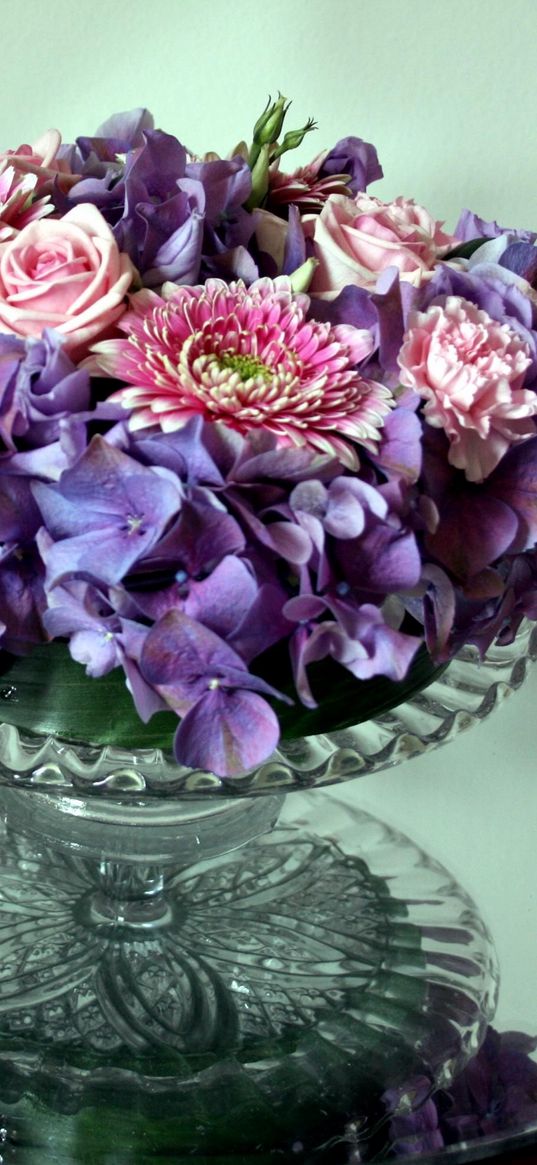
(246, 1004)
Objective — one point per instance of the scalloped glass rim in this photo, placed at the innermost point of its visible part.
(465, 693)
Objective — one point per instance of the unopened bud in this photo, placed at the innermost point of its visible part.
(260, 178)
(268, 127)
(294, 138)
(302, 277)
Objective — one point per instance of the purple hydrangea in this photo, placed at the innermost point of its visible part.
(226, 725)
(162, 526)
(40, 388)
(178, 551)
(481, 547)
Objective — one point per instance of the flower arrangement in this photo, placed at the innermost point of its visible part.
(266, 440)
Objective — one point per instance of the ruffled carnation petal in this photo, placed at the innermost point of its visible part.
(469, 370)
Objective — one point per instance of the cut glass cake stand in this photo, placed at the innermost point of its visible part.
(183, 978)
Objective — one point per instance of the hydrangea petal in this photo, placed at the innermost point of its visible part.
(400, 451)
(227, 732)
(180, 657)
(263, 624)
(221, 600)
(472, 534)
(515, 483)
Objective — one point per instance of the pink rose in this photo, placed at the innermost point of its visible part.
(357, 238)
(469, 369)
(66, 274)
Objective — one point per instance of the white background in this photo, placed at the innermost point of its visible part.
(448, 93)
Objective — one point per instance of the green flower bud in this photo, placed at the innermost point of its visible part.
(260, 178)
(293, 139)
(268, 127)
(303, 275)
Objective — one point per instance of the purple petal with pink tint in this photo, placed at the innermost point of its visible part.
(227, 732)
(400, 452)
(473, 532)
(439, 610)
(181, 658)
(221, 600)
(263, 624)
(514, 481)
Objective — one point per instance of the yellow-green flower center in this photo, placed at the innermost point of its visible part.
(247, 366)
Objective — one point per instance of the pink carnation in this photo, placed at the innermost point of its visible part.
(250, 358)
(356, 238)
(469, 369)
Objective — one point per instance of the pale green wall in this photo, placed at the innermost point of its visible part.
(446, 90)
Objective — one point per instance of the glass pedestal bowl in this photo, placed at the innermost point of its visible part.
(183, 978)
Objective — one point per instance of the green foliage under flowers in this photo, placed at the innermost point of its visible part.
(48, 692)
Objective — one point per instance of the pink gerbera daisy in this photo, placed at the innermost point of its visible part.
(247, 357)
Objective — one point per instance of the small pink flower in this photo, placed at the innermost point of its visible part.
(304, 187)
(250, 358)
(66, 274)
(469, 369)
(357, 238)
(17, 205)
(40, 159)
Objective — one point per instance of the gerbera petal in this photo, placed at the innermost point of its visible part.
(248, 357)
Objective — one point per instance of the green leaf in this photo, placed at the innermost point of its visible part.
(464, 250)
(342, 699)
(48, 692)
